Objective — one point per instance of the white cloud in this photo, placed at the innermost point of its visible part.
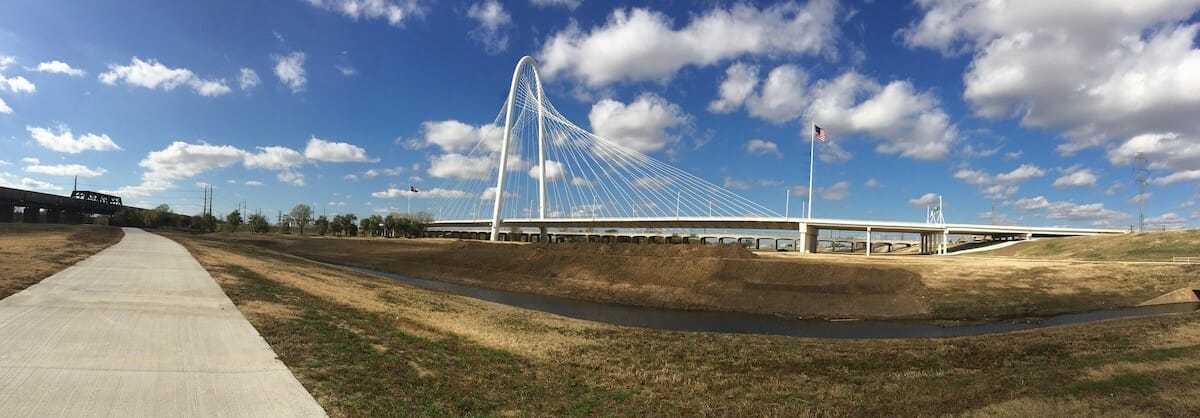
(761, 147)
(290, 177)
(1171, 152)
(10, 180)
(60, 139)
(838, 191)
(66, 170)
(1079, 178)
(927, 199)
(4, 107)
(346, 70)
(570, 4)
(6, 60)
(493, 21)
(395, 12)
(1002, 185)
(253, 183)
(453, 136)
(734, 184)
(642, 125)
(461, 167)
(832, 152)
(274, 158)
(782, 98)
(2, 162)
(640, 44)
(337, 152)
(31, 160)
(872, 183)
(290, 70)
(554, 170)
(16, 84)
(248, 79)
(1097, 74)
(1168, 220)
(154, 75)
(654, 182)
(59, 67)
(1093, 212)
(180, 160)
(739, 83)
(350, 177)
(1031, 203)
(435, 193)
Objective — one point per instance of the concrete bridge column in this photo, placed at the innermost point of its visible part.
(6, 213)
(30, 215)
(868, 241)
(808, 239)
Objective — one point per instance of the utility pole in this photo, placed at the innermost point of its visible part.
(993, 210)
(1141, 181)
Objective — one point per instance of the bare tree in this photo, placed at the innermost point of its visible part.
(302, 215)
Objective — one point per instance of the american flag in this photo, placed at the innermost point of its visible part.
(819, 132)
(413, 189)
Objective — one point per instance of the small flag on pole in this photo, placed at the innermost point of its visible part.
(413, 189)
(819, 132)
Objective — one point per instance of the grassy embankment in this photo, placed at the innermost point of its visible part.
(370, 347)
(32, 252)
(1150, 246)
(729, 278)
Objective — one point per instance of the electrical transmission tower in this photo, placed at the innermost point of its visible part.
(1141, 181)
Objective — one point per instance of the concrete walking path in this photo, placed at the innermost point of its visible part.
(139, 329)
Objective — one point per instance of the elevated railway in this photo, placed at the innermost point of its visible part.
(57, 209)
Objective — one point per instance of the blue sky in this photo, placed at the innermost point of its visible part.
(1030, 104)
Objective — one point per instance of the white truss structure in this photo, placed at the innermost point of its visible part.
(549, 168)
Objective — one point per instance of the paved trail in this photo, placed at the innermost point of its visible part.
(139, 329)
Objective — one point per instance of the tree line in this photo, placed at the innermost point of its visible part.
(301, 216)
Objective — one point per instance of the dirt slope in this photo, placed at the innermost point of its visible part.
(1150, 246)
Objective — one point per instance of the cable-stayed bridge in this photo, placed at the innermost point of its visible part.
(550, 173)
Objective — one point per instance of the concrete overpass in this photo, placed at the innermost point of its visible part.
(933, 238)
(58, 209)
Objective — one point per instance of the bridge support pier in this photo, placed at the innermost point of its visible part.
(808, 239)
(54, 216)
(30, 215)
(868, 241)
(6, 213)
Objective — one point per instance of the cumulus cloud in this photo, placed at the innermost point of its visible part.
(1002, 185)
(66, 170)
(395, 12)
(1095, 213)
(1098, 74)
(1077, 178)
(872, 183)
(177, 161)
(16, 84)
(640, 44)
(1169, 220)
(59, 67)
(1171, 152)
(290, 70)
(4, 108)
(762, 147)
(13, 181)
(274, 158)
(289, 177)
(248, 79)
(554, 170)
(59, 138)
(459, 166)
(338, 152)
(901, 119)
(453, 136)
(645, 125)
(927, 199)
(153, 75)
(838, 191)
(1031, 203)
(493, 22)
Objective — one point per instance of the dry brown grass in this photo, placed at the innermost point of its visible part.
(32, 252)
(1148, 246)
(366, 346)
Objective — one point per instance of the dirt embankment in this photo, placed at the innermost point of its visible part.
(1148, 246)
(32, 252)
(709, 277)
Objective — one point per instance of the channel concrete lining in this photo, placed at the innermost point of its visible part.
(139, 329)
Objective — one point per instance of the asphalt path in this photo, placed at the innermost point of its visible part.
(139, 329)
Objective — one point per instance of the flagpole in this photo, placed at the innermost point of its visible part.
(812, 142)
